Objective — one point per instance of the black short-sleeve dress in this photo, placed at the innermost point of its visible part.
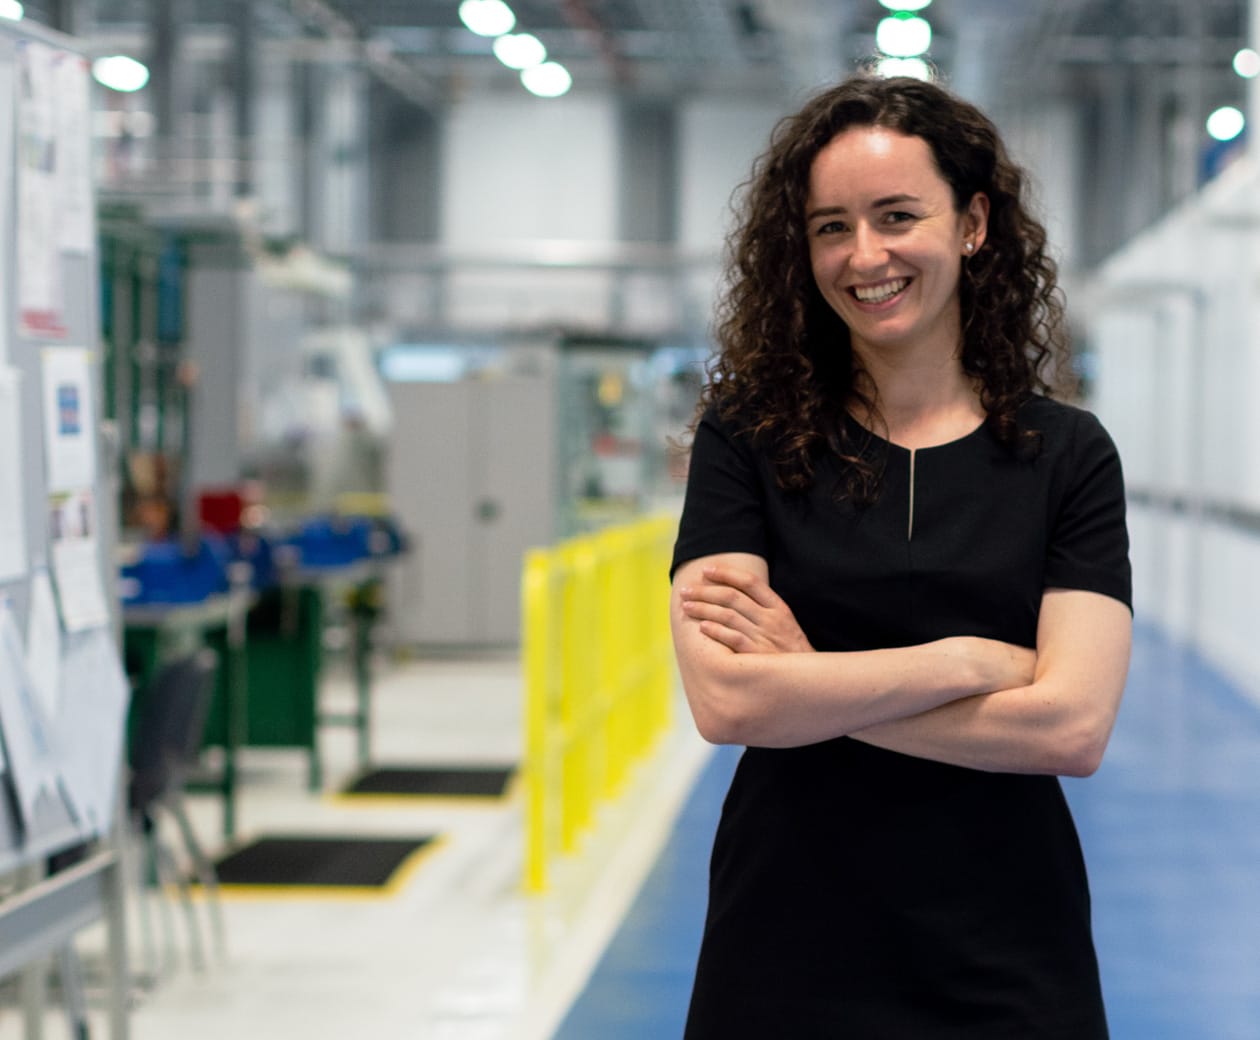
(861, 893)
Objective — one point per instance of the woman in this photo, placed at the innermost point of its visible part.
(901, 580)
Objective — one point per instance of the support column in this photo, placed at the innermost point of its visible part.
(164, 65)
(1145, 195)
(276, 150)
(243, 99)
(338, 199)
(648, 190)
(1110, 139)
(69, 17)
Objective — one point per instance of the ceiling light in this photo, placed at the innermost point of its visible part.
(520, 51)
(1247, 63)
(11, 9)
(914, 67)
(118, 72)
(550, 79)
(1226, 123)
(487, 17)
(903, 36)
(905, 5)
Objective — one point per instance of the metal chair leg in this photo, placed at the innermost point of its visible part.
(206, 875)
(72, 992)
(138, 863)
(173, 877)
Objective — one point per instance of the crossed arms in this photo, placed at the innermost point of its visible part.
(751, 677)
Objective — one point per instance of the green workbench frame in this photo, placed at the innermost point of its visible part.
(271, 654)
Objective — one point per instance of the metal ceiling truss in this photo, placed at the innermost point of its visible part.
(420, 47)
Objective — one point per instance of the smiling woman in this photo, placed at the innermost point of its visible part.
(886, 245)
(901, 581)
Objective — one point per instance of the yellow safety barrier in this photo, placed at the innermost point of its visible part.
(599, 675)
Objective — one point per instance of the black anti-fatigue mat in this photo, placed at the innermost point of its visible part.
(442, 783)
(323, 861)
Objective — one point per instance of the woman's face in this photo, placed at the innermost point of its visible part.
(886, 243)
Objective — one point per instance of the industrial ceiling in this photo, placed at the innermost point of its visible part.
(1003, 52)
(1131, 81)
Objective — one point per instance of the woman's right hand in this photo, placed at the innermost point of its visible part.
(738, 608)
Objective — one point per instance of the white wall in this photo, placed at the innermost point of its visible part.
(518, 168)
(1047, 144)
(718, 141)
(521, 170)
(1175, 322)
(531, 179)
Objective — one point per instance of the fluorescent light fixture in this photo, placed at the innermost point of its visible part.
(1226, 123)
(11, 10)
(1247, 63)
(550, 79)
(520, 50)
(914, 67)
(487, 17)
(903, 36)
(118, 72)
(905, 5)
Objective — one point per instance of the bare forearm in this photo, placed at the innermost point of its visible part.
(1010, 731)
(792, 699)
(965, 701)
(1059, 724)
(751, 676)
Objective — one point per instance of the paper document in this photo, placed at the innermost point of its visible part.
(69, 419)
(90, 724)
(76, 208)
(13, 559)
(39, 282)
(8, 82)
(43, 642)
(75, 556)
(28, 743)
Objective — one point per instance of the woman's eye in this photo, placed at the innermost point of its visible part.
(899, 217)
(832, 227)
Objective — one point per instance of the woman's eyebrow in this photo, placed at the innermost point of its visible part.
(892, 200)
(886, 200)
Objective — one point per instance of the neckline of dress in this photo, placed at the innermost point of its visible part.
(875, 438)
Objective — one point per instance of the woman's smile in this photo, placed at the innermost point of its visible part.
(880, 294)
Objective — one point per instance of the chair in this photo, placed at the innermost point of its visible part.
(166, 746)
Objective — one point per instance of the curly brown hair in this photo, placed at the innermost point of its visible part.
(785, 368)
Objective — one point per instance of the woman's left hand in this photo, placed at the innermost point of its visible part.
(742, 612)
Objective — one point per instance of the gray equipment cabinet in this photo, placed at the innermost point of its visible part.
(48, 303)
(472, 476)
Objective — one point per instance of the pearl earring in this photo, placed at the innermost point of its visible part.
(970, 246)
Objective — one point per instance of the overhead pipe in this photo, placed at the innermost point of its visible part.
(388, 67)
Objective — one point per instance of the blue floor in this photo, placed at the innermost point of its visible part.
(1171, 831)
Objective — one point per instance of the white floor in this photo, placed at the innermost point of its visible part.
(459, 951)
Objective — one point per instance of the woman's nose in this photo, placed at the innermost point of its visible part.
(868, 248)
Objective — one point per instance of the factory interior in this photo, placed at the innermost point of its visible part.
(350, 354)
